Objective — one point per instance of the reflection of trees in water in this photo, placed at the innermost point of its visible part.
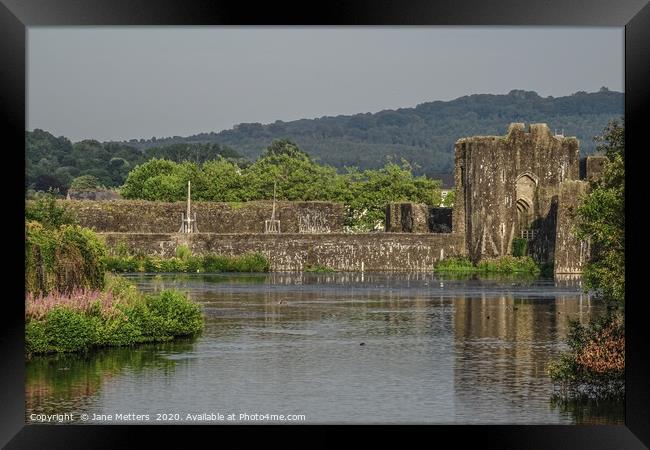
(588, 411)
(68, 382)
(178, 281)
(372, 280)
(382, 311)
(387, 313)
(501, 358)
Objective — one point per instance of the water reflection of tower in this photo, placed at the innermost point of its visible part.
(504, 343)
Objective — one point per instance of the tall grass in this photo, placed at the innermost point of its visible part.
(72, 305)
(183, 252)
(455, 264)
(62, 259)
(81, 300)
(502, 265)
(186, 263)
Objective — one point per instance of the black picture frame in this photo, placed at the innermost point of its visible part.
(634, 15)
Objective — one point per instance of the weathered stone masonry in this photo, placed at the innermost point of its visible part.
(507, 184)
(570, 253)
(525, 184)
(292, 252)
(139, 216)
(409, 217)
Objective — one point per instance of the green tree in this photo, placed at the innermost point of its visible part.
(612, 140)
(166, 181)
(371, 190)
(84, 182)
(297, 177)
(423, 135)
(134, 186)
(225, 182)
(601, 219)
(595, 362)
(284, 147)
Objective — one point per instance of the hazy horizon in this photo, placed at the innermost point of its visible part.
(122, 83)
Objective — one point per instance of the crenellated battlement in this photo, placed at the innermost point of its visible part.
(537, 132)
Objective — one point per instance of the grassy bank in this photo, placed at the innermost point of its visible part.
(72, 305)
(500, 265)
(119, 315)
(187, 263)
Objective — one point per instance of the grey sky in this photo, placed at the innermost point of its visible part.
(137, 82)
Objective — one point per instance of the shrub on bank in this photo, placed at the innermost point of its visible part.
(117, 317)
(183, 252)
(251, 262)
(455, 264)
(519, 246)
(503, 264)
(179, 316)
(595, 363)
(48, 212)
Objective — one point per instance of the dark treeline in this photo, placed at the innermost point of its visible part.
(54, 162)
(424, 135)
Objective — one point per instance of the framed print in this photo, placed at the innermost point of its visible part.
(369, 214)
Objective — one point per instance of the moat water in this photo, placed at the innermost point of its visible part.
(336, 348)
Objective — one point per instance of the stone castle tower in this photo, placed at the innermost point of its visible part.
(521, 185)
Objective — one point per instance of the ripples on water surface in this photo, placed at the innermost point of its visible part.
(435, 350)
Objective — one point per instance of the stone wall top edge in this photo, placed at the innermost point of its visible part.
(200, 202)
(283, 235)
(519, 128)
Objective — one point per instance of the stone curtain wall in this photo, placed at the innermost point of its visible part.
(394, 218)
(527, 179)
(93, 195)
(570, 253)
(417, 218)
(158, 217)
(293, 252)
(407, 217)
(488, 172)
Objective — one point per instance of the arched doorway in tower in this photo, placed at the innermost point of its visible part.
(524, 214)
(526, 192)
